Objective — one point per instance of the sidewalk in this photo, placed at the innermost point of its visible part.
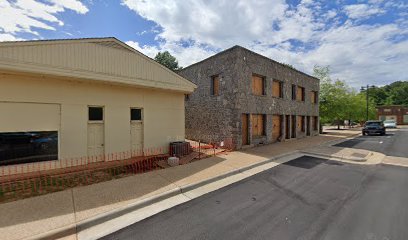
(74, 208)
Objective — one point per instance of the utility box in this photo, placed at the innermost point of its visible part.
(180, 148)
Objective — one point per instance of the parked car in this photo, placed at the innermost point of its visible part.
(46, 143)
(15, 145)
(390, 124)
(373, 127)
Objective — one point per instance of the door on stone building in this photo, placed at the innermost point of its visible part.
(245, 134)
(276, 127)
(293, 122)
(287, 127)
(308, 125)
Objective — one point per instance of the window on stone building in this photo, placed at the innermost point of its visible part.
(258, 125)
(277, 89)
(314, 96)
(258, 85)
(300, 93)
(215, 85)
(293, 92)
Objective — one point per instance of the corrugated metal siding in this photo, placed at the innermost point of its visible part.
(107, 58)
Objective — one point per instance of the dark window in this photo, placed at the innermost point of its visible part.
(95, 113)
(293, 92)
(187, 97)
(27, 147)
(215, 85)
(136, 114)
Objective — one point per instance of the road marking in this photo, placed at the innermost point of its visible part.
(381, 142)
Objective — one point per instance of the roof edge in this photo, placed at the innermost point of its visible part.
(97, 39)
(246, 49)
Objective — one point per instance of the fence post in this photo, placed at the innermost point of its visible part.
(199, 149)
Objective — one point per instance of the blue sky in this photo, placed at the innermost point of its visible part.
(363, 41)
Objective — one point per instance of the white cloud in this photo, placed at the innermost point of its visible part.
(185, 56)
(357, 53)
(359, 11)
(23, 16)
(149, 51)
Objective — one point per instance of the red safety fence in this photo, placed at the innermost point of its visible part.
(26, 180)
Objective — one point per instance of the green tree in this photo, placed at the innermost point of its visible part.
(338, 102)
(358, 107)
(167, 60)
(395, 93)
(398, 93)
(333, 96)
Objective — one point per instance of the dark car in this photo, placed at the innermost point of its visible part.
(45, 143)
(373, 127)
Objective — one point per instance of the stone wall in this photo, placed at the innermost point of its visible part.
(214, 118)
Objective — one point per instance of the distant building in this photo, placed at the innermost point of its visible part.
(398, 113)
(250, 99)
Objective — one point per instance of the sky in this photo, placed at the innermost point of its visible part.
(363, 41)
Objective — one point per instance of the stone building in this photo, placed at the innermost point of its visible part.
(250, 99)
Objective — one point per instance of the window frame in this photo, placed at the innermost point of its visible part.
(280, 88)
(263, 82)
(300, 91)
(215, 78)
(314, 98)
(141, 114)
(294, 91)
(103, 114)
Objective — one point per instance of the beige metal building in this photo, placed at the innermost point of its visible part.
(62, 99)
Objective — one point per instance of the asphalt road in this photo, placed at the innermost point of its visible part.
(306, 198)
(394, 143)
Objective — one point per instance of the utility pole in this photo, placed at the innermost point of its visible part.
(366, 88)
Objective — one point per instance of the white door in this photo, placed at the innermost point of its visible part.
(96, 141)
(136, 138)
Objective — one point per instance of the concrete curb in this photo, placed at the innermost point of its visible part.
(93, 221)
(354, 159)
(73, 228)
